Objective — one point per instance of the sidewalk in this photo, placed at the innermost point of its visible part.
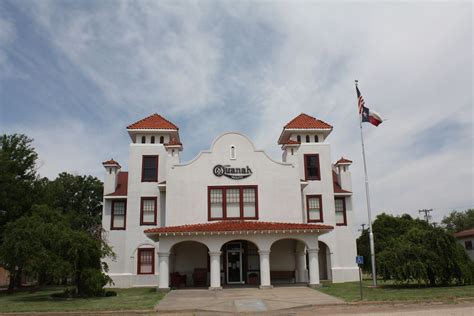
(247, 300)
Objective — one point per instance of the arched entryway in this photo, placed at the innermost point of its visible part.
(189, 265)
(324, 258)
(288, 262)
(240, 263)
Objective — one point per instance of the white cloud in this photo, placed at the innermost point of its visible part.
(71, 146)
(413, 60)
(142, 55)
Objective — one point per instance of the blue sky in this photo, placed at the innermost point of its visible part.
(74, 74)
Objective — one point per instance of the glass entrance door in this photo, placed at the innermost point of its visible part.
(234, 263)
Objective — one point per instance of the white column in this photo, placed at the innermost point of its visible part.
(215, 259)
(313, 267)
(163, 261)
(264, 269)
(301, 271)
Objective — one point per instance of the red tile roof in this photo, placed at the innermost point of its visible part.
(304, 121)
(338, 189)
(336, 186)
(465, 233)
(174, 142)
(154, 121)
(229, 226)
(111, 162)
(291, 142)
(344, 160)
(122, 185)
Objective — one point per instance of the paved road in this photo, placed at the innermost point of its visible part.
(374, 309)
(460, 309)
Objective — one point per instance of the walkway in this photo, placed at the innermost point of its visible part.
(244, 300)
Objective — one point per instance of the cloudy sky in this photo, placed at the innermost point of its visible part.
(73, 74)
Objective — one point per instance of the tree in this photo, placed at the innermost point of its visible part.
(410, 249)
(80, 199)
(386, 227)
(427, 255)
(17, 177)
(44, 243)
(459, 221)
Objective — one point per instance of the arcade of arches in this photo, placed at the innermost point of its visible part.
(197, 261)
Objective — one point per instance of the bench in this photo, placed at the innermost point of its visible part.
(282, 276)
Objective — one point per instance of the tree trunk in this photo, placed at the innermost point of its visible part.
(11, 283)
(18, 275)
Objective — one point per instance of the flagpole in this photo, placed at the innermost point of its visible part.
(371, 234)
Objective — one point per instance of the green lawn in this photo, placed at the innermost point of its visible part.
(39, 301)
(387, 291)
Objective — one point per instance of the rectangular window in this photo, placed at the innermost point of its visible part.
(250, 199)
(311, 167)
(119, 215)
(150, 169)
(233, 202)
(216, 203)
(148, 210)
(340, 204)
(468, 244)
(314, 206)
(146, 261)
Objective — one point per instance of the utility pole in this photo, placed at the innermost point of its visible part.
(427, 215)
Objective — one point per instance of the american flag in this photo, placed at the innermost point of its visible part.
(361, 100)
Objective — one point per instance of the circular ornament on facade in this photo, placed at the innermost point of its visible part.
(218, 170)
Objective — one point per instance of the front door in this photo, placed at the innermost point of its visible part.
(234, 263)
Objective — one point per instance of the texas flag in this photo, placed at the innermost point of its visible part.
(371, 117)
(365, 113)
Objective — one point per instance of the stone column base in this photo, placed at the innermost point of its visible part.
(167, 289)
(215, 288)
(265, 287)
(315, 286)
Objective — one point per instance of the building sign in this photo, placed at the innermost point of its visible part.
(231, 172)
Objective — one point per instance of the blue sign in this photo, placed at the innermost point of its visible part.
(360, 260)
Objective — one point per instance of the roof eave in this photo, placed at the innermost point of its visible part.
(241, 232)
(282, 138)
(111, 197)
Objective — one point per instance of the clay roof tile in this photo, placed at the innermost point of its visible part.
(154, 121)
(304, 121)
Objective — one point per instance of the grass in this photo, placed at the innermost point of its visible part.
(40, 301)
(387, 291)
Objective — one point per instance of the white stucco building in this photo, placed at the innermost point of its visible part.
(232, 215)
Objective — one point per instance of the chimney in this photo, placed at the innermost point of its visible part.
(112, 169)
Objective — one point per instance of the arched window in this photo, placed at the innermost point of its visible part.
(162, 139)
(307, 139)
(232, 152)
(316, 139)
(153, 139)
(298, 138)
(143, 139)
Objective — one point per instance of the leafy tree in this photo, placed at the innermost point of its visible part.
(427, 255)
(17, 177)
(44, 243)
(410, 249)
(80, 199)
(386, 227)
(459, 221)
